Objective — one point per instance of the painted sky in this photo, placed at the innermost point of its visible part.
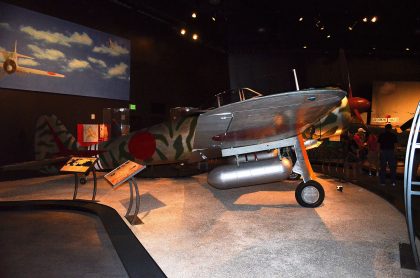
(94, 63)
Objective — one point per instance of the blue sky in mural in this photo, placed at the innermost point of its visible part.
(93, 63)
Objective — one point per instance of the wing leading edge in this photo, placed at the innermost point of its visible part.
(38, 72)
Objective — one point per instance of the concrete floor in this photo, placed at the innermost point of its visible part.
(194, 230)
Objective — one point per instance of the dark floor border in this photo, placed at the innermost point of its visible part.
(135, 258)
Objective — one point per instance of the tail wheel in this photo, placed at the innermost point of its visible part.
(309, 194)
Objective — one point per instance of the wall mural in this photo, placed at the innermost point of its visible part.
(47, 54)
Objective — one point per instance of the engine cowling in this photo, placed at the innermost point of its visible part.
(9, 66)
(250, 173)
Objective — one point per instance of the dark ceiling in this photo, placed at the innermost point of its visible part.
(324, 25)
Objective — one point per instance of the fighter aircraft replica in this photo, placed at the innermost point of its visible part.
(11, 65)
(251, 132)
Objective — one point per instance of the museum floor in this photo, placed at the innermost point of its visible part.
(193, 230)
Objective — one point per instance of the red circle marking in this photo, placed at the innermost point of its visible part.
(142, 145)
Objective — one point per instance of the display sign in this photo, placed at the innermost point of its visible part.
(79, 164)
(394, 102)
(90, 134)
(123, 172)
(46, 54)
(384, 120)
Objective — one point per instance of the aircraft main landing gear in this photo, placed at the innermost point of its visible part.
(309, 194)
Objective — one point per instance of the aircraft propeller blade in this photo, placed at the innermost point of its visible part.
(359, 117)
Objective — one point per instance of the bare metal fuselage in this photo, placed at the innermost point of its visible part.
(257, 125)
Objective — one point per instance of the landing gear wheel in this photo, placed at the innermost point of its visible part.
(309, 194)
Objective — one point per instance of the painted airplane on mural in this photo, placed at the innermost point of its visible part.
(251, 130)
(11, 65)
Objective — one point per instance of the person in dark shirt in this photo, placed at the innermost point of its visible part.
(351, 154)
(387, 141)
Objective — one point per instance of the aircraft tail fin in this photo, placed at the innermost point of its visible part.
(52, 138)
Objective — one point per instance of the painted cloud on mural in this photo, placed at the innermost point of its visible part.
(89, 62)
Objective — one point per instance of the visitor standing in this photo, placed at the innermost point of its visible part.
(387, 141)
(360, 138)
(373, 153)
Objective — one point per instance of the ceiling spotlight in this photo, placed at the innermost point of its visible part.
(194, 15)
(301, 19)
(195, 37)
(183, 31)
(305, 47)
(408, 49)
(365, 19)
(373, 48)
(322, 28)
(328, 36)
(213, 18)
(351, 27)
(374, 19)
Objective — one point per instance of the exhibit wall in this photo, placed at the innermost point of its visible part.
(268, 69)
(166, 71)
(394, 102)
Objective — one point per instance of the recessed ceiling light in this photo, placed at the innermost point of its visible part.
(374, 19)
(183, 31)
(350, 28)
(408, 49)
(194, 15)
(213, 18)
(365, 19)
(301, 18)
(328, 36)
(305, 47)
(195, 37)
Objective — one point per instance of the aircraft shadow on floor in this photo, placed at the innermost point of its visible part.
(253, 198)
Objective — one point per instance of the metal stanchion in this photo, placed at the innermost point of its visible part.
(132, 218)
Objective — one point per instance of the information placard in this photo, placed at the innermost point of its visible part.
(79, 164)
(123, 172)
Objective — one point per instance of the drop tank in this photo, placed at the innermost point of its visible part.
(250, 173)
